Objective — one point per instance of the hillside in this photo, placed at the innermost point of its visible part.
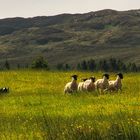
(69, 38)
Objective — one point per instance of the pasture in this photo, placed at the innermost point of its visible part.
(37, 109)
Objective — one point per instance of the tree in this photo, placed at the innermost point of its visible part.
(18, 66)
(121, 66)
(26, 66)
(91, 65)
(67, 67)
(59, 66)
(84, 65)
(113, 64)
(40, 63)
(132, 67)
(102, 65)
(105, 65)
(78, 66)
(7, 65)
(62, 66)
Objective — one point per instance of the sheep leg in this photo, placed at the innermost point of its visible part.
(120, 90)
(98, 90)
(106, 90)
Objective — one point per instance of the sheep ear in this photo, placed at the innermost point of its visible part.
(105, 74)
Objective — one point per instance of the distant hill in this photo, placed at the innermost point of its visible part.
(70, 38)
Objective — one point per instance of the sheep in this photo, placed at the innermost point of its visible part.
(116, 84)
(80, 85)
(71, 86)
(103, 83)
(89, 84)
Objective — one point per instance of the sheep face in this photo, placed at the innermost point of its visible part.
(74, 77)
(120, 75)
(92, 79)
(106, 75)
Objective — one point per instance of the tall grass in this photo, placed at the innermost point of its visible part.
(36, 108)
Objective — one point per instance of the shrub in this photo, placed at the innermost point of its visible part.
(40, 63)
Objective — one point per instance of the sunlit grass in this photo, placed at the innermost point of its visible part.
(36, 108)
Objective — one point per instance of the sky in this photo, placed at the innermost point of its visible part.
(31, 8)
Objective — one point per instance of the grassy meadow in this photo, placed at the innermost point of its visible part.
(37, 109)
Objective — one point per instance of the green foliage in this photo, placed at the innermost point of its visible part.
(59, 66)
(102, 65)
(67, 67)
(91, 65)
(132, 67)
(7, 65)
(18, 66)
(40, 63)
(83, 65)
(111, 65)
(63, 67)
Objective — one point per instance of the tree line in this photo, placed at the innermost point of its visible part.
(110, 65)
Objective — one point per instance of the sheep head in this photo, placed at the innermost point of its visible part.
(106, 75)
(84, 79)
(120, 75)
(74, 77)
(92, 79)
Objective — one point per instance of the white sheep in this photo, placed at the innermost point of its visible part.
(102, 84)
(116, 84)
(71, 86)
(89, 84)
(80, 85)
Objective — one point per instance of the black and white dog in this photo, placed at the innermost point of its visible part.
(4, 90)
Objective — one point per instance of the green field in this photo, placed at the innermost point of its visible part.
(37, 109)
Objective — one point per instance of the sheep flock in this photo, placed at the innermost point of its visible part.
(90, 84)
